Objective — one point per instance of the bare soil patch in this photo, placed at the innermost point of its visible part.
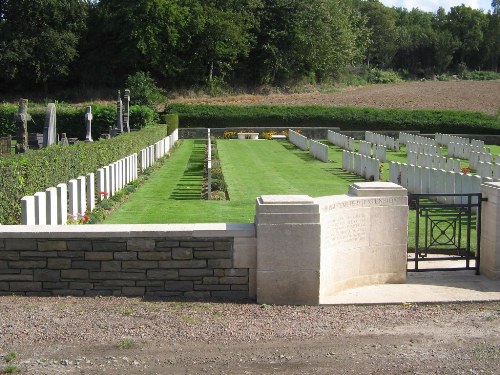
(132, 336)
(477, 96)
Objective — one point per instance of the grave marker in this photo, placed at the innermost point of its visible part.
(88, 124)
(49, 129)
(21, 120)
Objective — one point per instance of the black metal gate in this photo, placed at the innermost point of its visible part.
(447, 232)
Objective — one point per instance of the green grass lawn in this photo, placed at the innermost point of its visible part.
(251, 169)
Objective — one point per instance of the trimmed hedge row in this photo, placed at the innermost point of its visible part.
(25, 174)
(70, 119)
(346, 118)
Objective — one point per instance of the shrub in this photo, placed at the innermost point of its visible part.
(144, 89)
(25, 174)
(347, 118)
(480, 76)
(383, 76)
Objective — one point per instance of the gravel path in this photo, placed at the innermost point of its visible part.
(124, 335)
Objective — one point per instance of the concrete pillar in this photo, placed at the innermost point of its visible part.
(490, 231)
(288, 250)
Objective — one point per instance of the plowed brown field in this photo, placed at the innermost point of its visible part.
(480, 96)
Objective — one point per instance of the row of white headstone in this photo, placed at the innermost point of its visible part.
(361, 165)
(209, 166)
(477, 157)
(340, 140)
(404, 138)
(298, 140)
(373, 150)
(316, 149)
(423, 148)
(319, 150)
(423, 180)
(57, 205)
(446, 139)
(434, 161)
(485, 169)
(382, 140)
(464, 150)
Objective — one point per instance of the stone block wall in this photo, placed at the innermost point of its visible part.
(156, 264)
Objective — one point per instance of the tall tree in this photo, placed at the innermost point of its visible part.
(39, 38)
(314, 39)
(381, 21)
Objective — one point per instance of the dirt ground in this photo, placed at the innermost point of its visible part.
(108, 335)
(480, 96)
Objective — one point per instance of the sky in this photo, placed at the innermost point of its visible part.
(433, 5)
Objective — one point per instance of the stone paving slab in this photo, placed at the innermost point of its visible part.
(424, 287)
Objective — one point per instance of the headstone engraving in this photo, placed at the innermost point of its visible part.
(49, 129)
(88, 124)
(21, 119)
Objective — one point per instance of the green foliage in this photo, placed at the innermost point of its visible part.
(172, 121)
(125, 344)
(70, 119)
(144, 89)
(480, 76)
(347, 118)
(383, 76)
(39, 39)
(25, 174)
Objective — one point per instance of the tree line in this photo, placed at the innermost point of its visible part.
(182, 43)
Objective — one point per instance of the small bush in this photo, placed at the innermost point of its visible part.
(383, 76)
(480, 76)
(144, 90)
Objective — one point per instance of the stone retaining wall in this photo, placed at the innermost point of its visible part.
(159, 263)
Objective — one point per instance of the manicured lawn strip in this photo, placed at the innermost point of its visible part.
(254, 168)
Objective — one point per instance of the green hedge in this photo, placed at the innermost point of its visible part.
(347, 118)
(70, 119)
(172, 121)
(25, 174)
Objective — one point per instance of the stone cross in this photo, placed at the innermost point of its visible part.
(126, 114)
(49, 129)
(21, 119)
(88, 124)
(119, 114)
